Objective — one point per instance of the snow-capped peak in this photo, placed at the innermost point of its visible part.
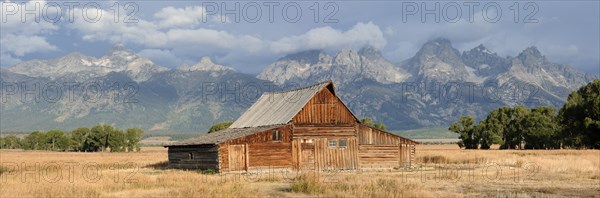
(347, 65)
(117, 59)
(205, 64)
(482, 49)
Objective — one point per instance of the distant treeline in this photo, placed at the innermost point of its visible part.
(575, 125)
(97, 138)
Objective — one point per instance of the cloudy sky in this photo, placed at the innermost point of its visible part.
(248, 35)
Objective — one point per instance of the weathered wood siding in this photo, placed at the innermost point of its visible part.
(265, 156)
(324, 109)
(194, 157)
(407, 154)
(328, 158)
(260, 151)
(381, 149)
(369, 135)
(379, 156)
(323, 131)
(307, 156)
(318, 155)
(237, 157)
(386, 156)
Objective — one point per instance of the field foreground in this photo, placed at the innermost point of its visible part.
(440, 170)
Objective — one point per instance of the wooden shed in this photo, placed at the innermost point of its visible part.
(303, 129)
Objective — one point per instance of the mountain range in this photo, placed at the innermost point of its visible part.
(431, 89)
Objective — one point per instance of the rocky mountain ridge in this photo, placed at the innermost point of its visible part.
(431, 89)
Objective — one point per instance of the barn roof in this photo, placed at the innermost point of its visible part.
(223, 135)
(279, 107)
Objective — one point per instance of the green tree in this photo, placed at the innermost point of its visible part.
(497, 122)
(116, 140)
(516, 127)
(484, 132)
(57, 140)
(580, 117)
(99, 135)
(380, 125)
(368, 122)
(540, 128)
(466, 131)
(35, 141)
(219, 126)
(80, 139)
(10, 142)
(134, 136)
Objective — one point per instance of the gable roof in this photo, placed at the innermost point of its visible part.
(274, 108)
(223, 135)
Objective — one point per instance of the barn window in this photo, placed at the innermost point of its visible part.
(332, 143)
(191, 156)
(342, 143)
(276, 135)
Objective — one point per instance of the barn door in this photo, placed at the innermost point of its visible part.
(237, 157)
(307, 156)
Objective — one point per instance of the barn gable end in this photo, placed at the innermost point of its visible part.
(325, 108)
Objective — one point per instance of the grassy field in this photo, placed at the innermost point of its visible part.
(440, 170)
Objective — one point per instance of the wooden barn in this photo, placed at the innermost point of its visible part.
(303, 129)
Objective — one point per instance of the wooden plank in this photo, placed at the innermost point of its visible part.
(247, 160)
(237, 160)
(324, 108)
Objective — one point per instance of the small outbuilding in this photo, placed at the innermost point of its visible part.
(303, 129)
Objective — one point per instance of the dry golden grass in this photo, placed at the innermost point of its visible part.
(511, 173)
(440, 170)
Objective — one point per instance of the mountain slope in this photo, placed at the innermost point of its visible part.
(123, 89)
(438, 61)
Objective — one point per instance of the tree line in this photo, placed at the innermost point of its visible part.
(98, 138)
(575, 125)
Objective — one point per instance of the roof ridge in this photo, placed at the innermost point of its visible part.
(301, 88)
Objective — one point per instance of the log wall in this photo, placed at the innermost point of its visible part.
(260, 151)
(386, 156)
(194, 157)
(378, 156)
(264, 156)
(381, 150)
